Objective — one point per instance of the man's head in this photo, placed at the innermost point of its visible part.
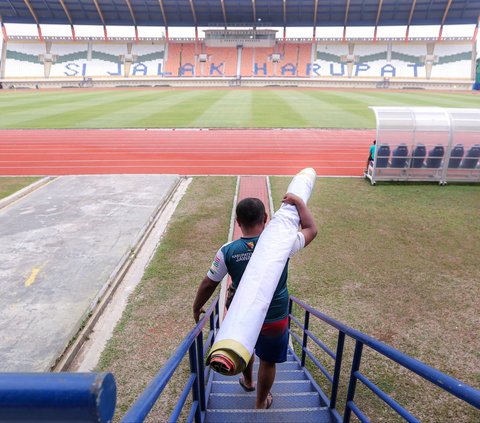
(374, 142)
(250, 213)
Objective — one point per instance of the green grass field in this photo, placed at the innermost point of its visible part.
(210, 108)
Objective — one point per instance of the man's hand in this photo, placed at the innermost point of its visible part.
(292, 199)
(309, 228)
(196, 314)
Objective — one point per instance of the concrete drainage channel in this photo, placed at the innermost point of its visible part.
(84, 350)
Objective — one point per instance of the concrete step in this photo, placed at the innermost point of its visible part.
(246, 401)
(280, 386)
(280, 375)
(280, 415)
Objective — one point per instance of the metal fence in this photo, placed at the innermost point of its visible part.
(453, 386)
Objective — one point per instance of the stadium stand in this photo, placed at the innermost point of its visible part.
(452, 61)
(24, 59)
(329, 59)
(70, 58)
(150, 56)
(371, 60)
(407, 59)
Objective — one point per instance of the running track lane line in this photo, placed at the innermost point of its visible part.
(184, 152)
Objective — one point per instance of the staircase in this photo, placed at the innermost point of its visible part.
(294, 398)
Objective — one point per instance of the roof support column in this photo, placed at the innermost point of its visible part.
(315, 13)
(73, 33)
(4, 30)
(475, 32)
(40, 35)
(105, 34)
(410, 17)
(443, 19)
(164, 16)
(347, 10)
(379, 12)
(284, 21)
(136, 33)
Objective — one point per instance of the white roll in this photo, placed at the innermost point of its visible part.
(241, 327)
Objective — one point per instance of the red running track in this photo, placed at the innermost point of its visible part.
(184, 152)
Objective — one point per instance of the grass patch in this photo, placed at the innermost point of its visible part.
(159, 312)
(210, 108)
(9, 185)
(400, 263)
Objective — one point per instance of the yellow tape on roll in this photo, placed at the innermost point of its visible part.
(228, 357)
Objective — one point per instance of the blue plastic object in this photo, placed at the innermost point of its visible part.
(471, 159)
(399, 156)
(57, 397)
(456, 156)
(383, 154)
(418, 156)
(435, 157)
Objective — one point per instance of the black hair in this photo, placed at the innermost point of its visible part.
(374, 141)
(250, 212)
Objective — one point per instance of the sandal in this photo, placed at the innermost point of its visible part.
(269, 401)
(241, 381)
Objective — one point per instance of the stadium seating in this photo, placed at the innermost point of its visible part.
(371, 61)
(399, 156)
(383, 154)
(329, 60)
(105, 59)
(471, 158)
(222, 61)
(456, 156)
(435, 157)
(295, 59)
(454, 61)
(181, 60)
(149, 55)
(406, 59)
(262, 62)
(70, 59)
(419, 155)
(23, 59)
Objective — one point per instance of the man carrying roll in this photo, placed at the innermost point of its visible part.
(232, 258)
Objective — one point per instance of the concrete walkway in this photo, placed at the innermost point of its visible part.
(60, 246)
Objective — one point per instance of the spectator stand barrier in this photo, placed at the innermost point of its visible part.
(307, 343)
(57, 397)
(426, 144)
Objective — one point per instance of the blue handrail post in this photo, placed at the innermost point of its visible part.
(305, 337)
(201, 372)
(195, 388)
(338, 367)
(357, 357)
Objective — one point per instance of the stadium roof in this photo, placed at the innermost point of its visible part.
(212, 13)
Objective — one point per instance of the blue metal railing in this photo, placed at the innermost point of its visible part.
(193, 345)
(447, 383)
(54, 397)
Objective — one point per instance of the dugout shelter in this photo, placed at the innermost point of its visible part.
(426, 144)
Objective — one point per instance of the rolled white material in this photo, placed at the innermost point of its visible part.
(249, 307)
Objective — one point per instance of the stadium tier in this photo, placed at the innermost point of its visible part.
(354, 61)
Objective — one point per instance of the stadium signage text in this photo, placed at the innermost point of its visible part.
(289, 69)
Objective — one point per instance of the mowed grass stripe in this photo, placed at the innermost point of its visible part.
(136, 111)
(182, 113)
(64, 114)
(271, 110)
(329, 109)
(233, 110)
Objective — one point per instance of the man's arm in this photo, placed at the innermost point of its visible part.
(307, 223)
(205, 290)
